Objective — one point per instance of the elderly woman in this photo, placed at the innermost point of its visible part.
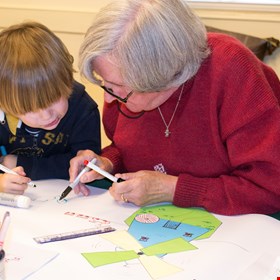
(194, 118)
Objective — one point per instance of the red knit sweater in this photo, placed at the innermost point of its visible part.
(225, 136)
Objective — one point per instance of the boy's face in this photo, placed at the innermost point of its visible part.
(48, 118)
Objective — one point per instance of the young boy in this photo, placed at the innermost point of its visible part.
(45, 116)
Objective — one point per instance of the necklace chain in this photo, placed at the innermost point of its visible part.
(167, 131)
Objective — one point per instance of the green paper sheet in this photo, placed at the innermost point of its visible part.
(102, 258)
(170, 246)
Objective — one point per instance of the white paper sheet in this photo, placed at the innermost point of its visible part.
(235, 247)
(21, 261)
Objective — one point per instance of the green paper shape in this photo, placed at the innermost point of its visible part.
(193, 216)
(102, 258)
(171, 246)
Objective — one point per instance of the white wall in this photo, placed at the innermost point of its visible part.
(69, 19)
(64, 5)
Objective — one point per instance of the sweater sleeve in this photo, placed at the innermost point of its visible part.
(253, 185)
(248, 117)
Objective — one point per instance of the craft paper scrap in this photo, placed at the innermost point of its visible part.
(123, 239)
(158, 230)
(155, 266)
(193, 216)
(158, 268)
(102, 258)
(21, 261)
(167, 247)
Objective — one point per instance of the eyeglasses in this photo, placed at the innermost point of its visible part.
(110, 91)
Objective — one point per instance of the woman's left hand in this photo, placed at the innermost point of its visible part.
(144, 187)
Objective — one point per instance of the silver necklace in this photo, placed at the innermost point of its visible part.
(167, 131)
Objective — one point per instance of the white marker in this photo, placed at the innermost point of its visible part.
(102, 172)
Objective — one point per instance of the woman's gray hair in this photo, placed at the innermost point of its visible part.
(157, 44)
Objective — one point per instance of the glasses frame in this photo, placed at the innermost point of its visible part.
(109, 91)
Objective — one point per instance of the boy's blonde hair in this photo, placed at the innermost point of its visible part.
(36, 69)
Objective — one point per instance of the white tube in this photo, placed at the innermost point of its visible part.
(15, 200)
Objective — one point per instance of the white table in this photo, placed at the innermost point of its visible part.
(243, 247)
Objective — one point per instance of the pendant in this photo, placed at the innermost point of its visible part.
(167, 132)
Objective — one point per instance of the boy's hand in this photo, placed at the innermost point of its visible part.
(15, 184)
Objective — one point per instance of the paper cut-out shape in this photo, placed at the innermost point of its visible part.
(148, 234)
(158, 230)
(124, 240)
(167, 247)
(158, 268)
(192, 216)
(147, 218)
(102, 258)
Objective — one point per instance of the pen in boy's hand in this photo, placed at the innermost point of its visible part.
(103, 172)
(9, 171)
(75, 182)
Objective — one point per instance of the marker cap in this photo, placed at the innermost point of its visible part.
(23, 201)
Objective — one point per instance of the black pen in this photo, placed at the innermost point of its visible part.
(75, 182)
